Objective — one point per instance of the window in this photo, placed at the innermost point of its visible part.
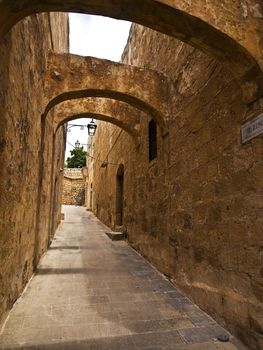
(152, 140)
(119, 195)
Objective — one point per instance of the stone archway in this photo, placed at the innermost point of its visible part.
(71, 77)
(116, 112)
(187, 23)
(112, 111)
(134, 133)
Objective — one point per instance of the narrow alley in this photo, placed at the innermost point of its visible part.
(92, 293)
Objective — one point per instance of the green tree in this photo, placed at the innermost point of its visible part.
(77, 158)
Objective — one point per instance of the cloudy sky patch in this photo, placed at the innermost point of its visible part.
(98, 36)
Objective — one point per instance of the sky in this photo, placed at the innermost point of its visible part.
(95, 36)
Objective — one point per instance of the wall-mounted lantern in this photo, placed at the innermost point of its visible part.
(77, 144)
(92, 128)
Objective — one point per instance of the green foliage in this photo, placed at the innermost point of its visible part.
(77, 158)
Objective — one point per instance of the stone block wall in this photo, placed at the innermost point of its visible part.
(89, 174)
(196, 210)
(25, 202)
(73, 187)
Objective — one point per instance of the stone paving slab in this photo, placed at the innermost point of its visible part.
(92, 293)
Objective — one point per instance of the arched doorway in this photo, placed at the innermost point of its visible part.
(119, 195)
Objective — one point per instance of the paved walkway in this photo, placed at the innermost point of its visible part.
(92, 293)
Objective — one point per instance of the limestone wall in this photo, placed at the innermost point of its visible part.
(73, 187)
(89, 174)
(196, 210)
(24, 192)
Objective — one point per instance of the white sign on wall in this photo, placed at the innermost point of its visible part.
(252, 128)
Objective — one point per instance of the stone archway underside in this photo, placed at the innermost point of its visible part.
(71, 77)
(216, 38)
(115, 112)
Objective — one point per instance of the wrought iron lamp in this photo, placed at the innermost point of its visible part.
(77, 144)
(70, 126)
(92, 128)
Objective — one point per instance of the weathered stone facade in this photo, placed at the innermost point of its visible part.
(196, 210)
(229, 31)
(73, 187)
(26, 195)
(89, 174)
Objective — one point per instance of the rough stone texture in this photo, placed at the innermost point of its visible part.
(113, 111)
(89, 174)
(196, 210)
(91, 293)
(57, 163)
(25, 209)
(202, 197)
(72, 77)
(73, 187)
(230, 31)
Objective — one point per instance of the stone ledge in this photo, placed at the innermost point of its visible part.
(116, 236)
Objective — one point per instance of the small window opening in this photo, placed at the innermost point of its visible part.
(152, 140)
(119, 195)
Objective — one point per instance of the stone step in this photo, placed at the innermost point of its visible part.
(116, 236)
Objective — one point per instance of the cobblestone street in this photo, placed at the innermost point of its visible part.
(92, 293)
